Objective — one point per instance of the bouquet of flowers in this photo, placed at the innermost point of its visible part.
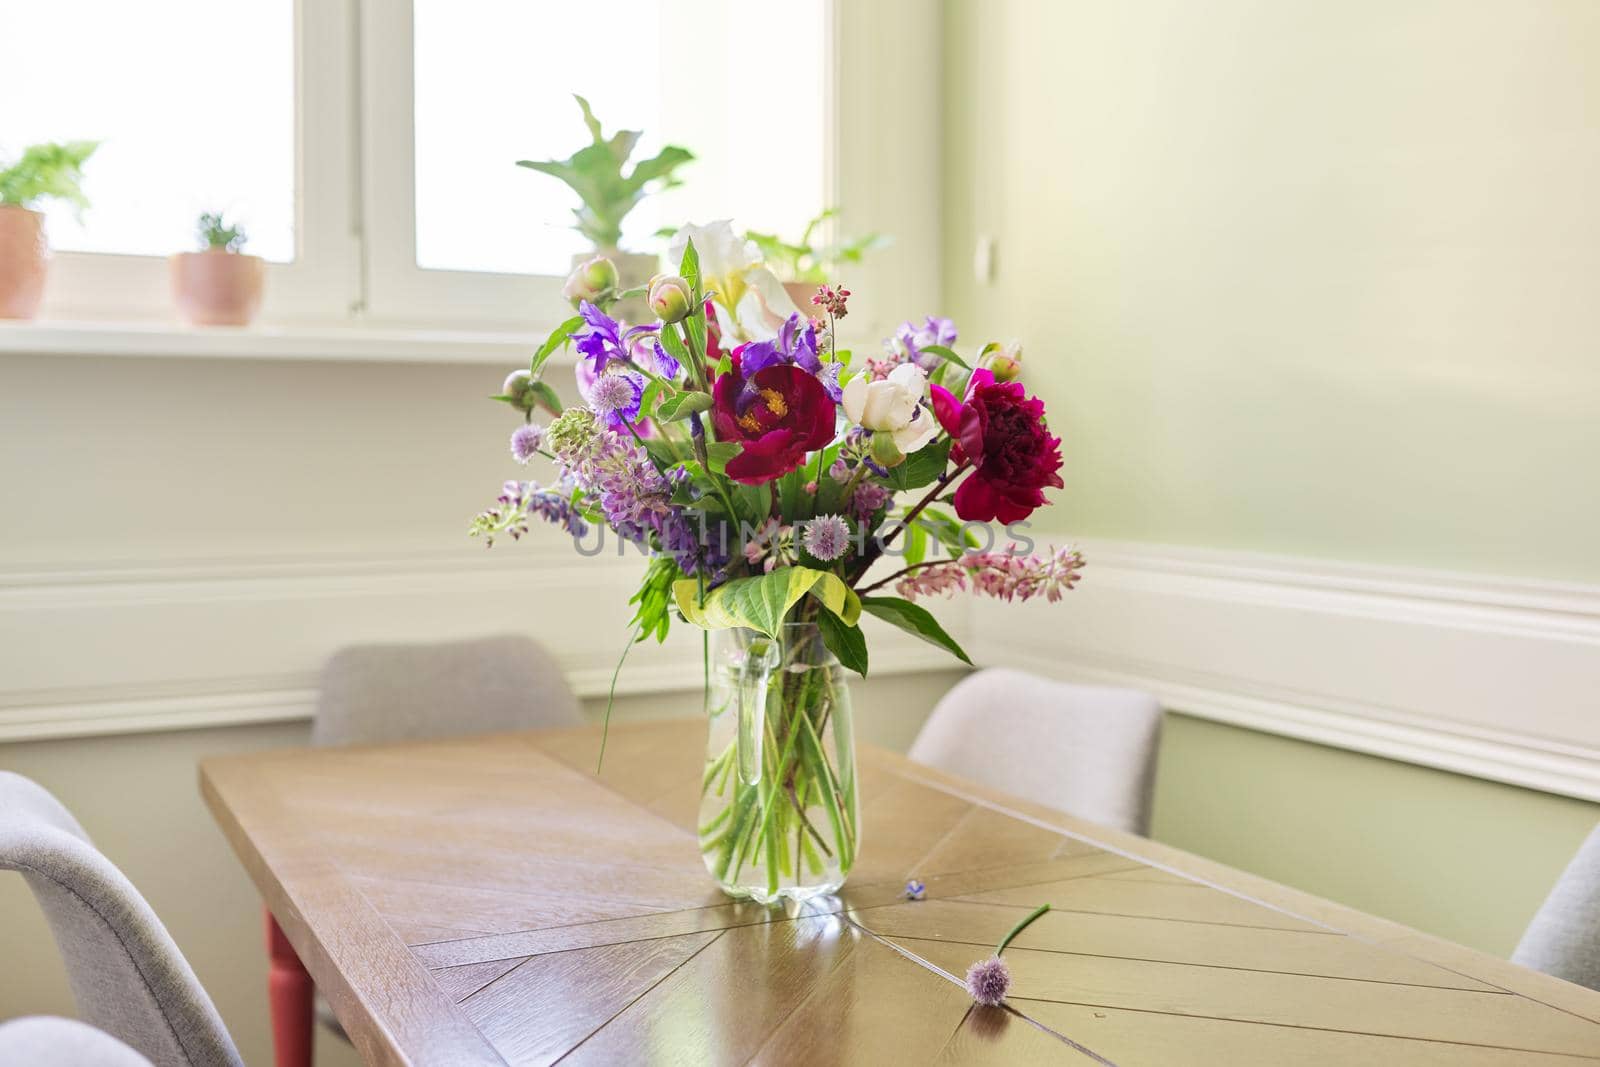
(765, 476)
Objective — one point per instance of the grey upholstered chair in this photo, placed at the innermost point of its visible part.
(1564, 937)
(1085, 750)
(127, 976)
(44, 1039)
(373, 694)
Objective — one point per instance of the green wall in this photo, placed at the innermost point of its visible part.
(1459, 857)
(1315, 279)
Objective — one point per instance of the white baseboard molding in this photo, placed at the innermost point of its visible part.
(154, 645)
(1490, 677)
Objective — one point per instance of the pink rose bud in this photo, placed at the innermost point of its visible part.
(669, 297)
(592, 280)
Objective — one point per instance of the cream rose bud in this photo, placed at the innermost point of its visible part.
(1003, 361)
(591, 280)
(893, 406)
(669, 297)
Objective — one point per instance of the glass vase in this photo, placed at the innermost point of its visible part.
(778, 807)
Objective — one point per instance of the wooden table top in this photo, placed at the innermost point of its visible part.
(491, 900)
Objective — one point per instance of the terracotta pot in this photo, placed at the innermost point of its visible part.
(22, 262)
(801, 293)
(217, 287)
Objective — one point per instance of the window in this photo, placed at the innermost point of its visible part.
(369, 147)
(189, 120)
(480, 105)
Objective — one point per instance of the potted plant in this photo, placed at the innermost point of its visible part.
(41, 172)
(803, 265)
(595, 173)
(218, 285)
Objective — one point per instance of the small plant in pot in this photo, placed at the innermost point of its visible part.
(219, 285)
(607, 194)
(805, 264)
(42, 172)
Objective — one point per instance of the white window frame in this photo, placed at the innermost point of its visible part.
(355, 191)
(322, 283)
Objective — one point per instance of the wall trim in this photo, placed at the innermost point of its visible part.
(139, 645)
(1498, 678)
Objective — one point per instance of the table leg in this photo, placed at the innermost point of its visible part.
(289, 992)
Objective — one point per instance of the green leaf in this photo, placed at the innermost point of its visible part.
(913, 620)
(951, 533)
(689, 266)
(557, 338)
(792, 499)
(847, 643)
(916, 545)
(763, 602)
(652, 393)
(718, 453)
(673, 344)
(922, 467)
(682, 405)
(944, 353)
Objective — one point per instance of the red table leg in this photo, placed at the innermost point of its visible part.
(289, 991)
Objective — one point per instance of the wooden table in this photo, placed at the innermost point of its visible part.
(494, 901)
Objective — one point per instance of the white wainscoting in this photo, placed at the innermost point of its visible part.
(1496, 678)
(166, 645)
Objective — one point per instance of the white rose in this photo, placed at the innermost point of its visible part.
(893, 406)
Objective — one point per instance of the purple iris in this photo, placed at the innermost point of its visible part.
(795, 344)
(601, 339)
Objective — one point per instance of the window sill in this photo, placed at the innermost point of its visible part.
(302, 343)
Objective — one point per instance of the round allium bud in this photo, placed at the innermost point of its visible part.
(526, 440)
(669, 297)
(826, 537)
(592, 280)
(988, 981)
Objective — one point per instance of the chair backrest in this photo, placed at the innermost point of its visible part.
(40, 1039)
(127, 976)
(1089, 751)
(373, 694)
(1564, 937)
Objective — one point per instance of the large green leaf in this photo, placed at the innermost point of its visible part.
(922, 467)
(944, 353)
(913, 620)
(762, 602)
(682, 405)
(847, 643)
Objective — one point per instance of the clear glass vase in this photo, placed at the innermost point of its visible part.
(778, 806)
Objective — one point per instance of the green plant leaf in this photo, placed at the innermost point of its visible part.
(944, 353)
(718, 453)
(847, 643)
(689, 265)
(922, 467)
(682, 405)
(913, 620)
(557, 338)
(762, 602)
(547, 396)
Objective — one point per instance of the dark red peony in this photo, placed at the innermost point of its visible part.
(1000, 430)
(779, 414)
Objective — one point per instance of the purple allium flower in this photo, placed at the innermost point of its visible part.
(988, 981)
(826, 537)
(616, 396)
(525, 441)
(602, 339)
(915, 890)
